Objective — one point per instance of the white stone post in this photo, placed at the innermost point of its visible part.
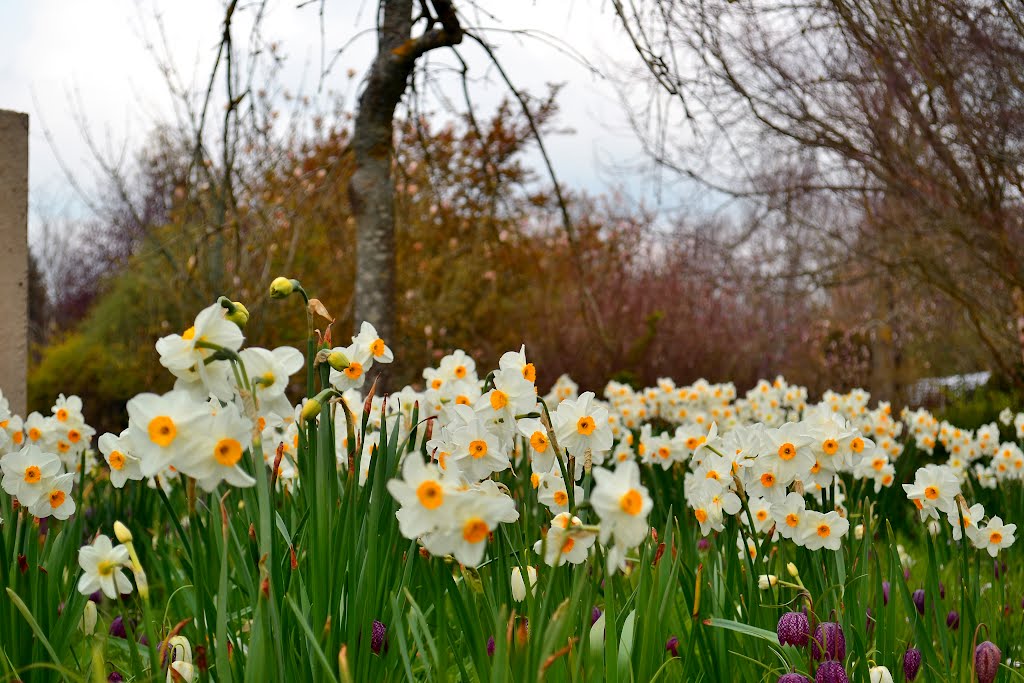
(14, 257)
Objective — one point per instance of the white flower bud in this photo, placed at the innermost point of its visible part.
(766, 581)
(87, 624)
(880, 674)
(519, 586)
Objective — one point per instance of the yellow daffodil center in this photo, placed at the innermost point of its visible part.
(33, 474)
(664, 452)
(539, 441)
(63, 446)
(189, 334)
(530, 372)
(631, 502)
(478, 448)
(857, 445)
(568, 546)
(460, 371)
(824, 530)
(34, 434)
(462, 400)
(354, 370)
(995, 538)
(499, 399)
(830, 446)
(701, 514)
(116, 460)
(767, 480)
(377, 347)
(762, 515)
(561, 498)
(105, 568)
(878, 464)
(57, 498)
(435, 384)
(535, 480)
(792, 520)
(227, 452)
(931, 493)
(62, 415)
(586, 425)
(162, 431)
(787, 451)
(475, 530)
(430, 494)
(74, 436)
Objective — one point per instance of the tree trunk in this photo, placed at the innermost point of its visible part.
(371, 189)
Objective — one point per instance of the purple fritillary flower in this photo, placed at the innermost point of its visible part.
(911, 663)
(672, 645)
(986, 661)
(793, 629)
(919, 600)
(378, 637)
(831, 672)
(953, 620)
(829, 642)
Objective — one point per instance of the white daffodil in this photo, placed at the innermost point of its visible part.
(56, 501)
(994, 536)
(271, 370)
(541, 450)
(622, 503)
(581, 424)
(553, 493)
(565, 542)
(368, 343)
(474, 516)
(185, 354)
(933, 490)
(822, 530)
(124, 466)
(478, 452)
(29, 473)
(354, 375)
(516, 361)
(710, 503)
(214, 449)
(972, 517)
(102, 565)
(158, 427)
(426, 497)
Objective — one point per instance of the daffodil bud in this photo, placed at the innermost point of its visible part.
(235, 311)
(858, 532)
(88, 622)
(310, 409)
(793, 571)
(282, 287)
(519, 586)
(122, 533)
(337, 360)
(766, 581)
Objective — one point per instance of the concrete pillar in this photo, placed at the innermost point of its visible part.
(13, 257)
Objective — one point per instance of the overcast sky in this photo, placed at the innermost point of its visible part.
(65, 59)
